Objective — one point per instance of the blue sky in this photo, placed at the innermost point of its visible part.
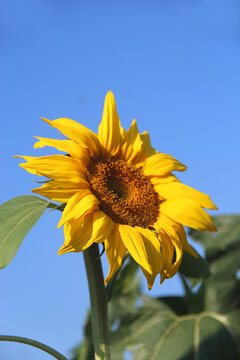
(174, 65)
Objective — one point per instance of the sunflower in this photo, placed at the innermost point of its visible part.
(121, 192)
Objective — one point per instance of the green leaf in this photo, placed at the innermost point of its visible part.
(17, 217)
(127, 280)
(195, 269)
(222, 289)
(153, 333)
(228, 235)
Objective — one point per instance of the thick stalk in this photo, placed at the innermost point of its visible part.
(98, 303)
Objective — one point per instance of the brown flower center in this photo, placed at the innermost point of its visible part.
(124, 193)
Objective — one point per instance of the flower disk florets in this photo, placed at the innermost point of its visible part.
(124, 193)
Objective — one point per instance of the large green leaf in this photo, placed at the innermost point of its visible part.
(155, 332)
(17, 217)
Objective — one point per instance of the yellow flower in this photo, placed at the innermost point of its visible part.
(120, 191)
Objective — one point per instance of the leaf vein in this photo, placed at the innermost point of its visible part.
(158, 346)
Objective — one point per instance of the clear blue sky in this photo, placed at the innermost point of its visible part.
(174, 65)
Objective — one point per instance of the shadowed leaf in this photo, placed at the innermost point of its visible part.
(195, 269)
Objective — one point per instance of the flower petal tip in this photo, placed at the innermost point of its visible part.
(61, 222)
(214, 228)
(62, 251)
(65, 249)
(211, 227)
(184, 168)
(49, 122)
(38, 143)
(163, 276)
(110, 99)
(110, 94)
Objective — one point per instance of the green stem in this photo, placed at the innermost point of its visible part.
(33, 343)
(98, 303)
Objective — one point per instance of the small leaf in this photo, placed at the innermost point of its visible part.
(17, 217)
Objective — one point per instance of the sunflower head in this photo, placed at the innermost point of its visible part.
(121, 192)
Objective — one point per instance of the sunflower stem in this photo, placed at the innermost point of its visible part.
(98, 302)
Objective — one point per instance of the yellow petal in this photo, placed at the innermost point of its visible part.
(69, 146)
(176, 230)
(167, 255)
(185, 245)
(175, 190)
(80, 204)
(79, 133)
(143, 246)
(55, 167)
(147, 150)
(109, 131)
(102, 226)
(161, 164)
(115, 251)
(155, 255)
(159, 180)
(78, 235)
(29, 159)
(150, 278)
(132, 144)
(170, 240)
(188, 213)
(60, 191)
(178, 254)
(153, 247)
(177, 237)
